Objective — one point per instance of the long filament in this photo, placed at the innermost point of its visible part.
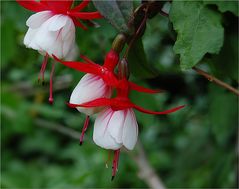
(51, 84)
(84, 129)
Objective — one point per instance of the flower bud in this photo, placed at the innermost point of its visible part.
(123, 69)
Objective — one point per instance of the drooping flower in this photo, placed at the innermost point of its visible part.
(117, 126)
(114, 129)
(106, 79)
(52, 28)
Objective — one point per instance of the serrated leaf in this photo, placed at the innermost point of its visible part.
(138, 64)
(224, 6)
(199, 31)
(118, 13)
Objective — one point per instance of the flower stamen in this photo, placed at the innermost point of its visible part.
(87, 120)
(43, 68)
(51, 84)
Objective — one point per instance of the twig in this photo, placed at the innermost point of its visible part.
(216, 81)
(146, 172)
(57, 127)
(137, 33)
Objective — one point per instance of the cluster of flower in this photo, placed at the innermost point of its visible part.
(52, 32)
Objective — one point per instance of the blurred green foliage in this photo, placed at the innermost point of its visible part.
(194, 147)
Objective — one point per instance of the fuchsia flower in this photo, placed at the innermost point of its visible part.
(52, 28)
(102, 80)
(117, 126)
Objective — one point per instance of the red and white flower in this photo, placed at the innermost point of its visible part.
(117, 126)
(52, 28)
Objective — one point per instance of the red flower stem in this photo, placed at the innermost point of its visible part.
(51, 84)
(84, 129)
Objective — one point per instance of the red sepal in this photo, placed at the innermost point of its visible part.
(157, 113)
(78, 23)
(32, 5)
(138, 88)
(81, 66)
(120, 104)
(89, 61)
(58, 6)
(81, 6)
(94, 103)
(86, 15)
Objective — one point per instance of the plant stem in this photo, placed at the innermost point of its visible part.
(137, 33)
(216, 81)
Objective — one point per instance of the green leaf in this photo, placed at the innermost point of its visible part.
(199, 31)
(224, 6)
(118, 13)
(138, 64)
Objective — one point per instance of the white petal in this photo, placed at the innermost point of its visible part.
(90, 88)
(36, 20)
(29, 36)
(68, 37)
(130, 130)
(101, 135)
(73, 53)
(57, 22)
(116, 125)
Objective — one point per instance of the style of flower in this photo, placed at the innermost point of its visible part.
(116, 126)
(52, 28)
